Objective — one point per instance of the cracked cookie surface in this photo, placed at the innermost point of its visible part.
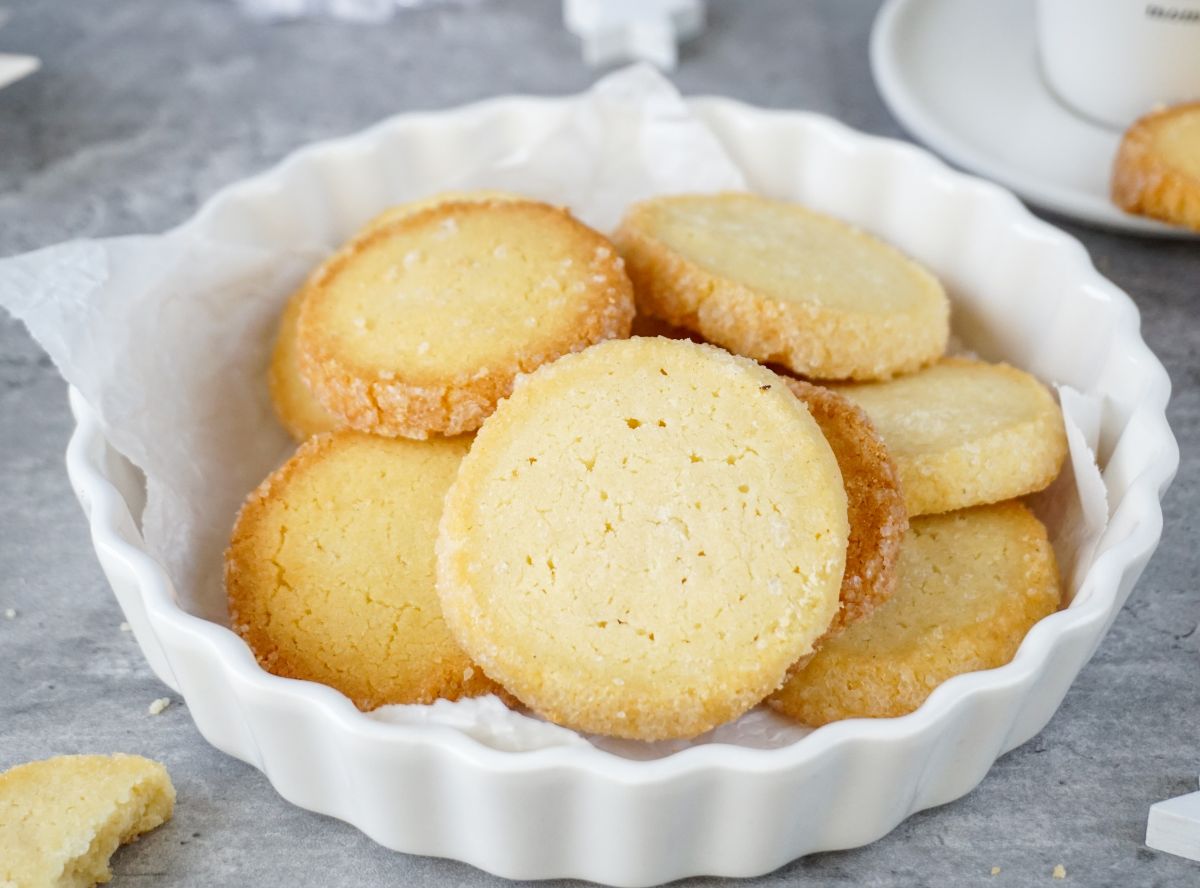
(330, 571)
(644, 538)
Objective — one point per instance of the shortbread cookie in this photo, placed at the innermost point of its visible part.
(964, 432)
(295, 404)
(972, 583)
(1157, 171)
(330, 572)
(61, 819)
(783, 284)
(875, 504)
(422, 325)
(644, 538)
(297, 407)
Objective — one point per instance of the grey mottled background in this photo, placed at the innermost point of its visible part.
(146, 107)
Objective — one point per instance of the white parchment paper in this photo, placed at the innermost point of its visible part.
(168, 337)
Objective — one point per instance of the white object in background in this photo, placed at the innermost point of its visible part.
(1114, 61)
(1174, 826)
(615, 31)
(962, 76)
(14, 67)
(361, 11)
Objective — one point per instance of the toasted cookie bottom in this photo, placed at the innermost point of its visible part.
(878, 519)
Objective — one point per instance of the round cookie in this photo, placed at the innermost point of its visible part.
(972, 584)
(965, 432)
(295, 404)
(1157, 171)
(784, 285)
(421, 325)
(643, 539)
(875, 505)
(330, 571)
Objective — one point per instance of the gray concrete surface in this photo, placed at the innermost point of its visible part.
(144, 108)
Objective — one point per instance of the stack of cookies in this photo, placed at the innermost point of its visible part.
(780, 491)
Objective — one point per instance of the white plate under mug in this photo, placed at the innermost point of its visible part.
(963, 77)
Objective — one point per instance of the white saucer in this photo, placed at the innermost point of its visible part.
(962, 76)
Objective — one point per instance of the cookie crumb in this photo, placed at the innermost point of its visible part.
(125, 627)
(1059, 871)
(159, 705)
(995, 871)
(10, 614)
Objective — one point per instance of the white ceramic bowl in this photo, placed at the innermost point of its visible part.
(1023, 291)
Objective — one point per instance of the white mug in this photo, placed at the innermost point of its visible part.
(1115, 60)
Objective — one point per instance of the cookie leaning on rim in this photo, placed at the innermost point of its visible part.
(643, 539)
(421, 325)
(784, 285)
(972, 584)
(964, 432)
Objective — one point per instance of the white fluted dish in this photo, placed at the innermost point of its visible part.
(1022, 290)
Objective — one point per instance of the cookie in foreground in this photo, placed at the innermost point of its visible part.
(875, 505)
(1157, 170)
(644, 538)
(783, 284)
(330, 572)
(421, 325)
(296, 406)
(61, 819)
(964, 432)
(972, 584)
